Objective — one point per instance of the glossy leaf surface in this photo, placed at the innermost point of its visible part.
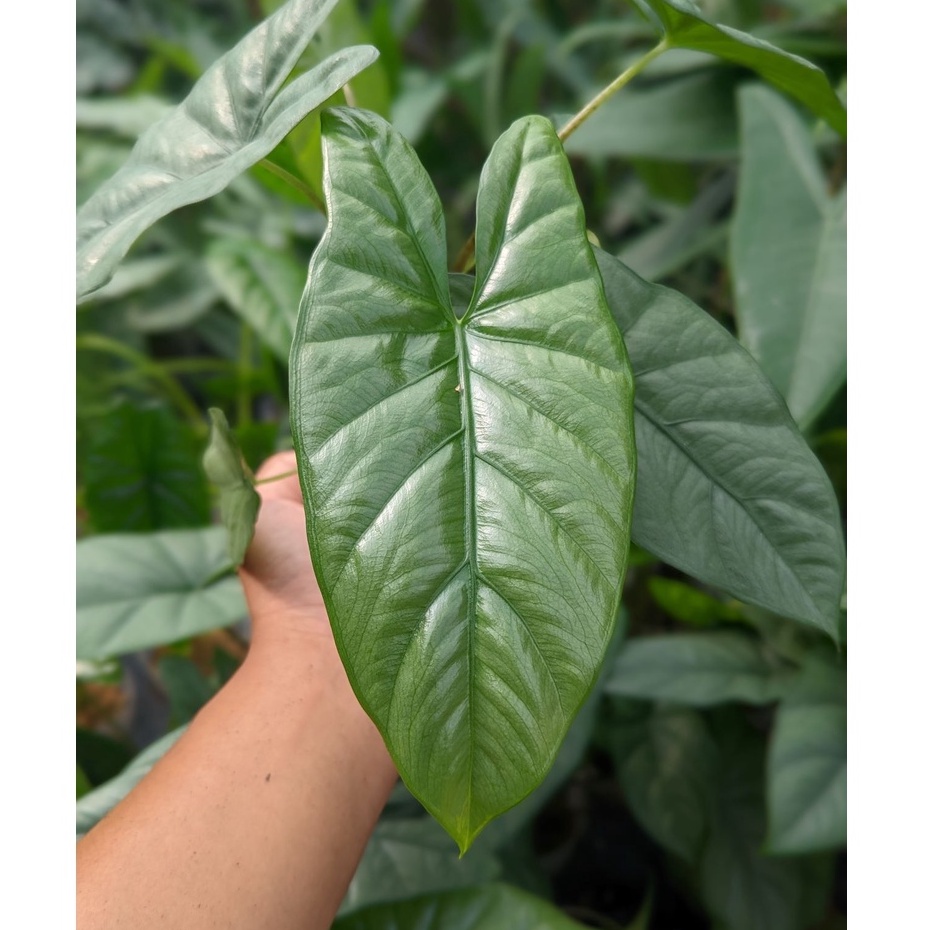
(788, 255)
(468, 481)
(233, 117)
(807, 764)
(490, 907)
(698, 670)
(727, 488)
(135, 591)
(96, 804)
(685, 27)
(262, 285)
(239, 501)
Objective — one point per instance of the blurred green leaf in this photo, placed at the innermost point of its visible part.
(99, 756)
(95, 805)
(788, 256)
(228, 122)
(125, 116)
(490, 907)
(263, 285)
(687, 233)
(807, 764)
(698, 669)
(409, 857)
(686, 603)
(421, 95)
(691, 118)
(685, 27)
(144, 590)
(740, 885)
(83, 784)
(239, 501)
(666, 763)
(140, 468)
(185, 686)
(727, 489)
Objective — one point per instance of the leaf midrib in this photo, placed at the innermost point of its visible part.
(469, 454)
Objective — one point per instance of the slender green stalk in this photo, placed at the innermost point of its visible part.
(295, 182)
(465, 260)
(93, 342)
(620, 81)
(281, 477)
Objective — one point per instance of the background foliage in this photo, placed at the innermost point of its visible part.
(703, 784)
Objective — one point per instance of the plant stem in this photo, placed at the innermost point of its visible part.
(620, 81)
(295, 182)
(94, 342)
(465, 260)
(281, 477)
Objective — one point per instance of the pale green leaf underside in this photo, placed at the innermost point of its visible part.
(788, 255)
(727, 488)
(806, 776)
(232, 118)
(488, 907)
(468, 482)
(697, 670)
(135, 591)
(239, 501)
(685, 27)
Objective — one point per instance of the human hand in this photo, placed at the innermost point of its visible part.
(277, 575)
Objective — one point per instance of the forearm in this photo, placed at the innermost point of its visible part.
(257, 817)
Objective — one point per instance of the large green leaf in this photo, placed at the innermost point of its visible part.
(140, 467)
(232, 118)
(727, 488)
(262, 285)
(96, 804)
(468, 482)
(685, 27)
(239, 501)
(143, 590)
(807, 764)
(788, 256)
(698, 669)
(491, 907)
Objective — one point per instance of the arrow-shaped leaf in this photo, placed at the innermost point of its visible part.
(232, 118)
(685, 27)
(468, 481)
(727, 489)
